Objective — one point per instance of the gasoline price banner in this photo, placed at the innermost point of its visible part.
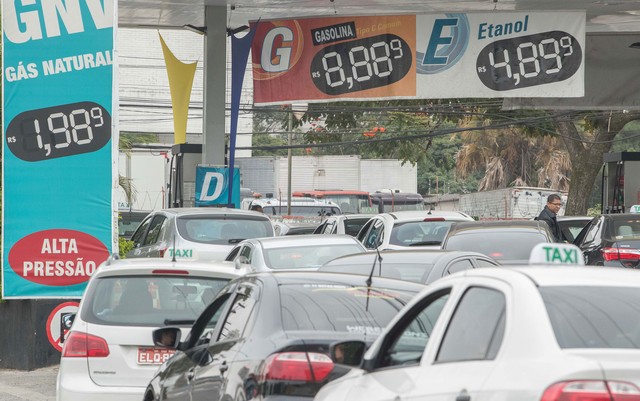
(497, 54)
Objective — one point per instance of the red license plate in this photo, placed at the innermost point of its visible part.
(154, 356)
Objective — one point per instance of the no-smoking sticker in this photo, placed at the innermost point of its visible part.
(55, 332)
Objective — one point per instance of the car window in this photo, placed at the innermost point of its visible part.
(353, 226)
(232, 255)
(594, 316)
(503, 245)
(149, 300)
(238, 316)
(329, 229)
(419, 233)
(407, 342)
(222, 229)
(459, 265)
(485, 263)
(476, 328)
(592, 234)
(155, 230)
(204, 329)
(375, 236)
(246, 252)
(307, 256)
(138, 236)
(362, 234)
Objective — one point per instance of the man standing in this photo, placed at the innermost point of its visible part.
(548, 214)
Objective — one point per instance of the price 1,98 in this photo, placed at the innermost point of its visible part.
(530, 60)
(59, 131)
(361, 64)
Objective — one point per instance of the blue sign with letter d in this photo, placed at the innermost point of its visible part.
(212, 186)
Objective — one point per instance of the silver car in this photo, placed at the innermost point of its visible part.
(108, 353)
(308, 251)
(196, 233)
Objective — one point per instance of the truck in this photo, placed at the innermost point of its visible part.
(508, 203)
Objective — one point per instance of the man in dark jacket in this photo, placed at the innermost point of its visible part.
(549, 213)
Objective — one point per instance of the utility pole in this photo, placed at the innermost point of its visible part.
(289, 128)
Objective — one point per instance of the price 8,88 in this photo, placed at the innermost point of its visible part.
(361, 64)
(59, 131)
(529, 60)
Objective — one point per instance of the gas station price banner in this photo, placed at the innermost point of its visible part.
(58, 148)
(498, 54)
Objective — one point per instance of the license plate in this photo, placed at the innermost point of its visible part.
(154, 356)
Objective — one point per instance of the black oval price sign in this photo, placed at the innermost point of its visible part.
(529, 60)
(361, 64)
(59, 131)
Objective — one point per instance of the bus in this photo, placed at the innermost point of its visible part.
(393, 200)
(350, 201)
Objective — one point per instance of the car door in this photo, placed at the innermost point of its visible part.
(590, 241)
(395, 367)
(211, 380)
(457, 364)
(375, 236)
(147, 244)
(176, 381)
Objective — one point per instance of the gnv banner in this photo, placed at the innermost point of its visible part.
(496, 54)
(58, 150)
(212, 186)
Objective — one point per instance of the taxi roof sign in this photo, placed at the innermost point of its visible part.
(556, 253)
(634, 209)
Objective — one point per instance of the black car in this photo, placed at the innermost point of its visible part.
(507, 241)
(611, 240)
(270, 335)
(421, 266)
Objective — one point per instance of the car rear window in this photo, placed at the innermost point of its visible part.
(223, 229)
(341, 308)
(512, 245)
(352, 226)
(594, 316)
(307, 256)
(148, 300)
(402, 271)
(419, 233)
(625, 229)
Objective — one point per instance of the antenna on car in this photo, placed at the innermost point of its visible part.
(379, 260)
(173, 258)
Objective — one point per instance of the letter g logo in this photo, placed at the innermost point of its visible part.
(277, 59)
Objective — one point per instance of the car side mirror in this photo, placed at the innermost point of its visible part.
(348, 353)
(241, 262)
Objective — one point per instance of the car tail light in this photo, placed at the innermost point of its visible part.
(591, 390)
(83, 345)
(170, 271)
(434, 219)
(297, 366)
(620, 254)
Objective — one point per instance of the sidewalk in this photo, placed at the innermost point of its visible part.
(34, 385)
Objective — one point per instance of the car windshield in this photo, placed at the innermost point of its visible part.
(307, 256)
(339, 307)
(148, 300)
(223, 229)
(512, 245)
(417, 233)
(308, 210)
(594, 316)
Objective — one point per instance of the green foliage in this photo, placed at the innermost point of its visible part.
(124, 246)
(595, 210)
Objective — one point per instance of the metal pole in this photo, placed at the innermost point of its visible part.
(289, 128)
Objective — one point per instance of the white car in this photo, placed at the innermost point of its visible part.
(196, 233)
(109, 353)
(308, 251)
(534, 333)
(399, 230)
(349, 224)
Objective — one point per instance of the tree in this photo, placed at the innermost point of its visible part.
(587, 137)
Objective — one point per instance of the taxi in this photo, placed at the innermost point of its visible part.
(552, 331)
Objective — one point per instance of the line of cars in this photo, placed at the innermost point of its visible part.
(242, 349)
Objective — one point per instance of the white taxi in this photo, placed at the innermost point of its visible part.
(108, 353)
(550, 332)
